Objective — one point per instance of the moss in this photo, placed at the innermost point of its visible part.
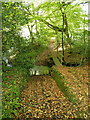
(60, 80)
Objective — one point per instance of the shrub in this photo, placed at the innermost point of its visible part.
(25, 60)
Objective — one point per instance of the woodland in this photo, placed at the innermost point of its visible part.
(45, 72)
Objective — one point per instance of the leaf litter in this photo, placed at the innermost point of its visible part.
(43, 99)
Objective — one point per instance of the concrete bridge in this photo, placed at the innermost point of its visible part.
(39, 70)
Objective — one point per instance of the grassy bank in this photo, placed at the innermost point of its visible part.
(60, 80)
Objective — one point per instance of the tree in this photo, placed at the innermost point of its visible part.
(62, 17)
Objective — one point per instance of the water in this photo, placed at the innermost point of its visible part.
(39, 70)
(7, 62)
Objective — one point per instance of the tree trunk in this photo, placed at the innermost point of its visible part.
(63, 38)
(31, 33)
(84, 31)
(57, 41)
(62, 48)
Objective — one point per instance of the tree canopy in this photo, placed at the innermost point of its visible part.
(48, 19)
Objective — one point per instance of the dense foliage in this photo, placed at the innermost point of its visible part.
(64, 21)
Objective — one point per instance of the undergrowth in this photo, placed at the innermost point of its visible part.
(14, 80)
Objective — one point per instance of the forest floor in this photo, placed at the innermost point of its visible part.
(43, 99)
